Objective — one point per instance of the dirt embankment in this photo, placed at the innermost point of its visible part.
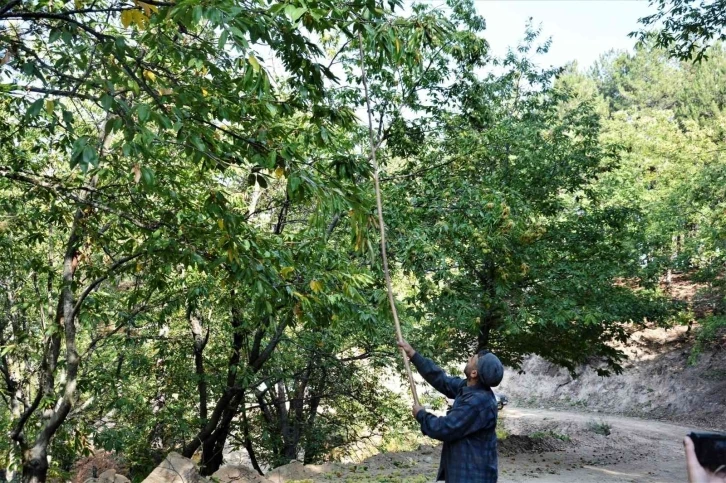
(658, 382)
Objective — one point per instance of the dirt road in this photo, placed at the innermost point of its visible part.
(540, 446)
(636, 450)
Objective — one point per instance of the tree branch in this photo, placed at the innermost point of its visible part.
(14, 175)
(59, 16)
(100, 279)
(17, 433)
(8, 7)
(57, 92)
(257, 364)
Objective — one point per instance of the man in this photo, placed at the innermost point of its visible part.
(468, 430)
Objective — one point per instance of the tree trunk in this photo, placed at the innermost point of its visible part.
(35, 469)
(213, 448)
(209, 426)
(213, 436)
(313, 451)
(200, 342)
(283, 416)
(35, 457)
(483, 336)
(490, 317)
(248, 442)
(35, 464)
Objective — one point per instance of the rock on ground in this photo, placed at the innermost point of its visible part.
(293, 472)
(175, 469)
(238, 474)
(109, 476)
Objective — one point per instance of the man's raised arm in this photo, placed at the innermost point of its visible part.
(433, 374)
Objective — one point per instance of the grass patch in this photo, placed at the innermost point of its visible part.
(402, 440)
(502, 433)
(714, 375)
(550, 434)
(600, 427)
(394, 478)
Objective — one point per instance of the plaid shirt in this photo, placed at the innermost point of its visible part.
(468, 430)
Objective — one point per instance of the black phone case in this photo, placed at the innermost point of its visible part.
(710, 450)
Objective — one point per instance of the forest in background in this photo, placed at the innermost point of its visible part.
(189, 230)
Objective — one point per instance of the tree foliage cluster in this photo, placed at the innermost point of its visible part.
(188, 219)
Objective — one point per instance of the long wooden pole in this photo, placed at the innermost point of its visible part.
(381, 225)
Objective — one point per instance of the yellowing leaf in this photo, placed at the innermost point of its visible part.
(285, 271)
(316, 286)
(137, 172)
(279, 172)
(127, 16)
(398, 46)
(78, 4)
(148, 8)
(254, 63)
(150, 75)
(139, 266)
(49, 107)
(165, 91)
(205, 93)
(220, 224)
(139, 19)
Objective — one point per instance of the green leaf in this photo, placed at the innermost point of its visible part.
(147, 175)
(7, 349)
(90, 156)
(67, 38)
(106, 102)
(164, 121)
(254, 63)
(198, 143)
(262, 181)
(293, 183)
(197, 13)
(143, 112)
(68, 117)
(35, 108)
(79, 146)
(54, 35)
(295, 12)
(222, 39)
(113, 124)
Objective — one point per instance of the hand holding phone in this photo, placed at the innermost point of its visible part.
(706, 457)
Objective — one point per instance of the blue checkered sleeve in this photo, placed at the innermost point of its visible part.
(458, 423)
(434, 375)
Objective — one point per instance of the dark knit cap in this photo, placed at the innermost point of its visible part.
(490, 368)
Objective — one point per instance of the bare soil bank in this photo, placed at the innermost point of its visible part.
(658, 383)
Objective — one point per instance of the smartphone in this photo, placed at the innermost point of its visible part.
(710, 450)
